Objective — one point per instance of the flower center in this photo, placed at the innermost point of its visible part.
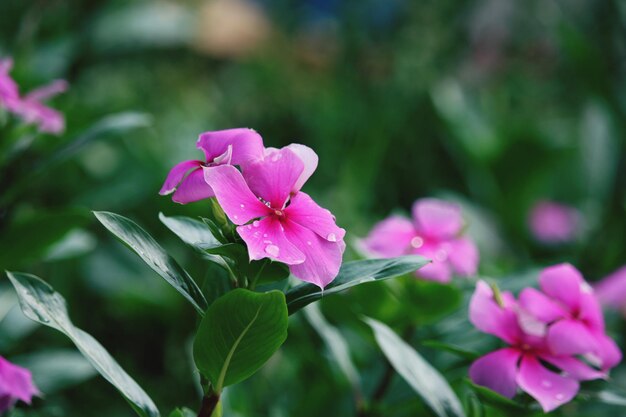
(279, 213)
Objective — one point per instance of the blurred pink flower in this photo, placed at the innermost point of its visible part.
(552, 222)
(435, 233)
(611, 291)
(15, 384)
(570, 307)
(9, 93)
(30, 107)
(558, 328)
(223, 147)
(275, 219)
(32, 110)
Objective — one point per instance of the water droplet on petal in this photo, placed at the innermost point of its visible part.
(559, 397)
(308, 242)
(242, 205)
(417, 242)
(255, 223)
(235, 217)
(331, 237)
(546, 384)
(264, 234)
(441, 255)
(272, 250)
(249, 227)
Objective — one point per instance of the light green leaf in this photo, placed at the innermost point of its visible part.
(352, 274)
(239, 333)
(182, 412)
(154, 255)
(42, 304)
(419, 374)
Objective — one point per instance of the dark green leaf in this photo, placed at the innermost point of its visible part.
(239, 333)
(182, 412)
(492, 397)
(154, 255)
(351, 274)
(419, 374)
(455, 350)
(426, 301)
(42, 304)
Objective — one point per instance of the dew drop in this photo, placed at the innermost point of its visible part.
(331, 237)
(441, 255)
(249, 227)
(255, 223)
(264, 234)
(546, 384)
(559, 397)
(417, 242)
(272, 250)
(235, 217)
(308, 242)
(242, 205)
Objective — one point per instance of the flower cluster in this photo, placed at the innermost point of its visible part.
(30, 107)
(435, 232)
(263, 198)
(562, 325)
(15, 384)
(554, 223)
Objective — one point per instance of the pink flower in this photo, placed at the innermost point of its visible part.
(552, 222)
(15, 384)
(519, 365)
(570, 308)
(611, 291)
(222, 147)
(275, 219)
(30, 107)
(435, 233)
(32, 110)
(9, 94)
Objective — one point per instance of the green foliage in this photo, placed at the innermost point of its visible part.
(42, 304)
(154, 255)
(239, 333)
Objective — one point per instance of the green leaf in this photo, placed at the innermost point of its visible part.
(30, 239)
(352, 274)
(419, 374)
(41, 303)
(491, 397)
(182, 412)
(455, 350)
(426, 301)
(336, 345)
(154, 255)
(239, 333)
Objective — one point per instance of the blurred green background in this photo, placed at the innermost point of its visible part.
(494, 104)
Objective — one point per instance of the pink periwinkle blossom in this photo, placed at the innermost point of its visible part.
(16, 384)
(554, 223)
(30, 108)
(275, 219)
(562, 325)
(611, 290)
(224, 147)
(435, 232)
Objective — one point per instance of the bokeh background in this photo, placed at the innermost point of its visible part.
(494, 104)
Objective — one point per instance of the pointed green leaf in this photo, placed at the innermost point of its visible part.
(154, 255)
(354, 273)
(419, 374)
(41, 303)
(239, 333)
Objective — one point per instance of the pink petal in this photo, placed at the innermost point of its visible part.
(437, 218)
(553, 223)
(563, 283)
(176, 175)
(574, 368)
(192, 188)
(549, 389)
(390, 237)
(47, 91)
(437, 270)
(541, 307)
(611, 291)
(16, 382)
(266, 239)
(47, 119)
(607, 352)
(233, 194)
(309, 158)
(570, 337)
(274, 177)
(323, 258)
(489, 317)
(463, 257)
(304, 211)
(247, 145)
(590, 311)
(497, 371)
